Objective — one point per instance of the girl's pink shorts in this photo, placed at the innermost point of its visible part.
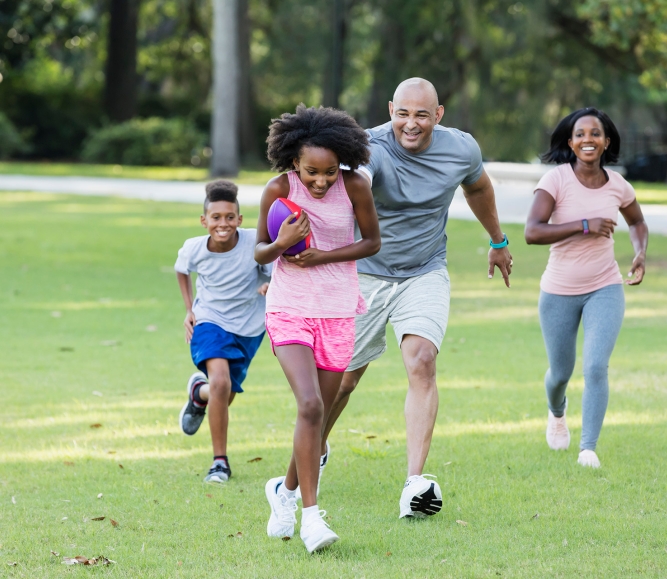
(330, 339)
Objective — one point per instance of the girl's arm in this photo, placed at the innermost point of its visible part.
(267, 251)
(539, 231)
(361, 197)
(185, 285)
(639, 237)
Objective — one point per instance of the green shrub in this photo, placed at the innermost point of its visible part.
(51, 109)
(11, 141)
(153, 141)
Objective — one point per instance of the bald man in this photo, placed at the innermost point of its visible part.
(416, 166)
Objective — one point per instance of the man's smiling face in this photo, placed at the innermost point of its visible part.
(414, 114)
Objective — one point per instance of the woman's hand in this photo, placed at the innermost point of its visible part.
(601, 227)
(291, 233)
(189, 324)
(638, 269)
(307, 258)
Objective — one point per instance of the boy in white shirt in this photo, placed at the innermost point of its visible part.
(224, 325)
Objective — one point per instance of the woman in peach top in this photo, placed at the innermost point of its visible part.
(574, 211)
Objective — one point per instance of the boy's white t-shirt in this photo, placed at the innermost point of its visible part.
(227, 284)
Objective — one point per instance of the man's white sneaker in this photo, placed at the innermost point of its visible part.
(558, 436)
(589, 458)
(323, 463)
(282, 520)
(316, 534)
(421, 497)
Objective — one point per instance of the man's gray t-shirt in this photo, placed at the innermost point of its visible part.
(227, 284)
(412, 194)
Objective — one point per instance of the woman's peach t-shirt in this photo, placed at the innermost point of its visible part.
(581, 263)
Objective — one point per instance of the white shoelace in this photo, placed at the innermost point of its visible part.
(319, 519)
(286, 512)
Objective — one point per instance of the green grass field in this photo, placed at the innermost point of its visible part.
(651, 192)
(93, 373)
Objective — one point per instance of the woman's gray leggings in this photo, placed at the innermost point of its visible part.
(602, 312)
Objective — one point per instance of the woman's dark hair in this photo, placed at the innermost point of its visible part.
(559, 152)
(316, 127)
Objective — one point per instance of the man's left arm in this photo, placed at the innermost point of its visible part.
(482, 201)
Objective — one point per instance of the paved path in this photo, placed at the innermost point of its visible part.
(514, 185)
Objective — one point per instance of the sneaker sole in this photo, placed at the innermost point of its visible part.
(426, 505)
(323, 544)
(185, 407)
(218, 482)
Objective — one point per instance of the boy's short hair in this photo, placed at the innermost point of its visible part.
(221, 190)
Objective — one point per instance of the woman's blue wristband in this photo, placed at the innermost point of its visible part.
(504, 243)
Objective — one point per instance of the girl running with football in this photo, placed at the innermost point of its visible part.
(314, 295)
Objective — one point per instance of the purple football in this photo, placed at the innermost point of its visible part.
(280, 210)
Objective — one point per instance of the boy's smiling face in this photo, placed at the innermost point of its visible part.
(221, 220)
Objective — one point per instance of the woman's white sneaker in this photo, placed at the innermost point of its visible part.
(558, 435)
(282, 520)
(421, 497)
(589, 458)
(316, 534)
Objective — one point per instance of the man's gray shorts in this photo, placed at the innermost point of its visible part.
(418, 305)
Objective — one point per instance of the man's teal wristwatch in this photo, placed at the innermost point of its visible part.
(504, 243)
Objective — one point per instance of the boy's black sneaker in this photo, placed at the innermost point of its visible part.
(219, 473)
(192, 414)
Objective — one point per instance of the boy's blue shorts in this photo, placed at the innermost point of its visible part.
(211, 341)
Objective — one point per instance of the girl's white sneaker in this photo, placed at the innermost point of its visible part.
(589, 458)
(282, 520)
(316, 534)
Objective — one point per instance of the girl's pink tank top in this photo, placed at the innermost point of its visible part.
(330, 290)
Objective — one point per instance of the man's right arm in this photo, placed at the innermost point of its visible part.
(481, 200)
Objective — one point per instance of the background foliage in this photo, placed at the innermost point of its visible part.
(505, 71)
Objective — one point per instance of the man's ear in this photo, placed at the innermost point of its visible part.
(391, 109)
(439, 112)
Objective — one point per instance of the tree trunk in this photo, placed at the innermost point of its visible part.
(333, 79)
(248, 144)
(121, 65)
(224, 129)
(386, 71)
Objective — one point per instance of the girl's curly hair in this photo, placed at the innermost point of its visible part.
(316, 127)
